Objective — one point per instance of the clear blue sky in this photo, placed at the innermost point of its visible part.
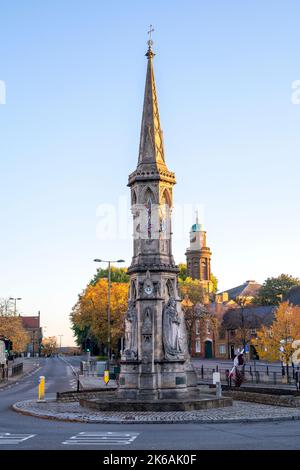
(69, 131)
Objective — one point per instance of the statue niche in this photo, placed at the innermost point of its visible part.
(130, 351)
(147, 322)
(171, 327)
(147, 335)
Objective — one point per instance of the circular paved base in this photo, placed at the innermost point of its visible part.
(238, 413)
(112, 403)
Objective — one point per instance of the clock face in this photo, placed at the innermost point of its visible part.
(148, 289)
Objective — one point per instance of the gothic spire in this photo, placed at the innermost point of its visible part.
(151, 150)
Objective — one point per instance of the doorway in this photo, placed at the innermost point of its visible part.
(208, 350)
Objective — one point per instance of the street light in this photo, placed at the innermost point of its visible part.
(97, 260)
(60, 336)
(15, 299)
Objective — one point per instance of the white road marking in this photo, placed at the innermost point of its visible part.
(8, 438)
(102, 438)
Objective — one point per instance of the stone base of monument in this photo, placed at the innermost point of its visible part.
(193, 401)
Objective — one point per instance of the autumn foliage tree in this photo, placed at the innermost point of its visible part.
(89, 315)
(277, 342)
(49, 346)
(11, 327)
(192, 294)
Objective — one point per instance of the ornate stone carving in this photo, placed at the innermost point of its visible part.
(147, 321)
(130, 351)
(148, 287)
(171, 331)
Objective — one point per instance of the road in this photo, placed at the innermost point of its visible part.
(39, 434)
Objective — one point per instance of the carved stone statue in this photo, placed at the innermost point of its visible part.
(130, 351)
(171, 324)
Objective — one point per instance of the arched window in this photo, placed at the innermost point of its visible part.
(170, 288)
(149, 199)
(133, 197)
(166, 198)
(133, 290)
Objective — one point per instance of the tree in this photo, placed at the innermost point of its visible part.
(117, 275)
(241, 320)
(89, 315)
(6, 307)
(182, 276)
(49, 346)
(192, 292)
(182, 271)
(191, 289)
(11, 327)
(214, 281)
(276, 342)
(274, 289)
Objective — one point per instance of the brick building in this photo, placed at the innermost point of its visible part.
(32, 325)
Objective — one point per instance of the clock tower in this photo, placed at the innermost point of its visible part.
(198, 257)
(155, 362)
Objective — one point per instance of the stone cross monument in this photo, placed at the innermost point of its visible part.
(155, 362)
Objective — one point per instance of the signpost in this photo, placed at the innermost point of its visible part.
(217, 383)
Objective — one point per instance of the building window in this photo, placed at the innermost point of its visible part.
(208, 327)
(253, 331)
(197, 327)
(222, 334)
(222, 349)
(197, 346)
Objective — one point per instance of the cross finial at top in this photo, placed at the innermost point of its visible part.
(150, 32)
(150, 42)
(150, 54)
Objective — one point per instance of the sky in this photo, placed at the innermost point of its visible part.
(72, 79)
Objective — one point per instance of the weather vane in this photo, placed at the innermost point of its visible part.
(150, 42)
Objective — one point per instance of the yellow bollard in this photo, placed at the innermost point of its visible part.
(106, 376)
(41, 389)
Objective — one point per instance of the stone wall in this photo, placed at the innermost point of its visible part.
(76, 396)
(264, 398)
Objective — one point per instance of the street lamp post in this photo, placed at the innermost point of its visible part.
(15, 299)
(60, 336)
(33, 339)
(108, 304)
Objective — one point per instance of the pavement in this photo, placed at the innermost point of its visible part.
(30, 365)
(240, 412)
(96, 383)
(19, 432)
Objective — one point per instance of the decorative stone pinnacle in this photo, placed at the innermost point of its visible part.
(150, 54)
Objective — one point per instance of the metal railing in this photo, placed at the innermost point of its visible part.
(96, 369)
(262, 376)
(17, 369)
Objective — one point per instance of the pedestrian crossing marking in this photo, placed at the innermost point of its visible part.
(8, 438)
(102, 438)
